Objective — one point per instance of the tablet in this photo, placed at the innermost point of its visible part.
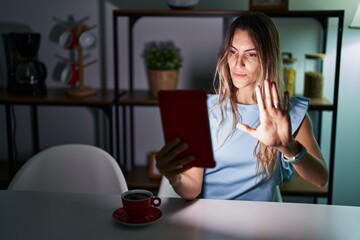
(184, 114)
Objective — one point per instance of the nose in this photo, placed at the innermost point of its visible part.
(240, 61)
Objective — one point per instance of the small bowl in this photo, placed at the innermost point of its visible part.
(182, 4)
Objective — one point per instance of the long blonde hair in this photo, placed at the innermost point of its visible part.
(265, 38)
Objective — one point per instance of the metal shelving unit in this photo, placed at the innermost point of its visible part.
(132, 97)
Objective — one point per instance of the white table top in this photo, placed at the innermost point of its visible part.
(34, 215)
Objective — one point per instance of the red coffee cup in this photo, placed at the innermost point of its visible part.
(138, 203)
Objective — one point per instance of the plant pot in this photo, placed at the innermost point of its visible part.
(162, 80)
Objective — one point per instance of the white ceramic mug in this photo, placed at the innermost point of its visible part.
(87, 39)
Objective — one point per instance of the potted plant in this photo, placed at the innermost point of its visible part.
(163, 61)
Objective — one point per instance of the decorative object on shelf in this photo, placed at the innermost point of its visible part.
(314, 79)
(289, 72)
(26, 74)
(74, 36)
(163, 61)
(153, 171)
(182, 4)
(268, 5)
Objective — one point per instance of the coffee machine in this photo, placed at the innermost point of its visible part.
(26, 75)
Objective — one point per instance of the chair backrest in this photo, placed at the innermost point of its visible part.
(76, 168)
(166, 190)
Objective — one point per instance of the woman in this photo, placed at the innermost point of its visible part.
(259, 136)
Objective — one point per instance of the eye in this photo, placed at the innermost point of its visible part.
(251, 55)
(232, 52)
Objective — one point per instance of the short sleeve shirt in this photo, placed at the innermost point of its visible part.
(235, 176)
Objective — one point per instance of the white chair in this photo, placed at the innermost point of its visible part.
(76, 168)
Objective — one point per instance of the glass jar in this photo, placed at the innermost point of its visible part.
(314, 79)
(289, 64)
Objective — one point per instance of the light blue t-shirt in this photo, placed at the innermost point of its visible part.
(235, 176)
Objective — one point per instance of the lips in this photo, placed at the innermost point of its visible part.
(239, 75)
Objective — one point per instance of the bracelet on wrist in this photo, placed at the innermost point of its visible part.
(297, 157)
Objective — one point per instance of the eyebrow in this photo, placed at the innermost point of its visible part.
(247, 50)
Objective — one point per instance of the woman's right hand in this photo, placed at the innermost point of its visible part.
(165, 159)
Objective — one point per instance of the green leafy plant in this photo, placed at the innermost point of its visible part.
(162, 56)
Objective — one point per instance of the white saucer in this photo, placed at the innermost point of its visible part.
(122, 217)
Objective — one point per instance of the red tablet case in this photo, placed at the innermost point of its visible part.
(184, 114)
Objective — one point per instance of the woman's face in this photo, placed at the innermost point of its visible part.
(243, 62)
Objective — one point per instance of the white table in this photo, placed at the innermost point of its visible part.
(34, 215)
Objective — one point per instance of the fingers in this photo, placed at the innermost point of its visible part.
(268, 94)
(165, 149)
(274, 119)
(286, 101)
(246, 128)
(165, 158)
(169, 152)
(174, 169)
(259, 98)
(275, 95)
(271, 96)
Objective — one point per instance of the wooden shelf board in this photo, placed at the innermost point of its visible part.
(297, 186)
(138, 177)
(320, 103)
(138, 97)
(196, 12)
(143, 97)
(59, 96)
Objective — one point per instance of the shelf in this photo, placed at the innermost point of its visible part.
(297, 186)
(103, 99)
(143, 97)
(166, 12)
(138, 177)
(133, 97)
(320, 104)
(58, 96)
(139, 97)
